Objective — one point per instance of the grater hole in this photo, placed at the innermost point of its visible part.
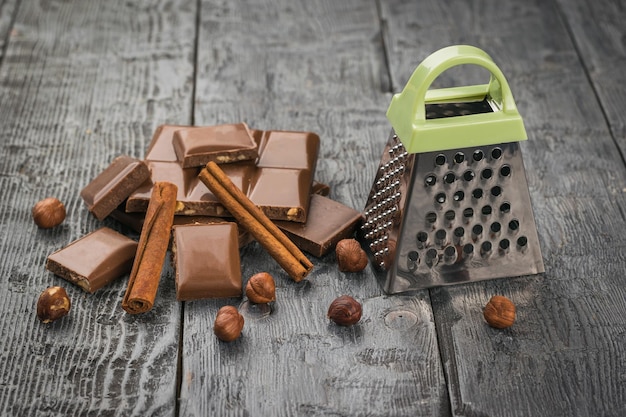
(477, 193)
(458, 196)
(440, 198)
(468, 213)
(495, 227)
(496, 153)
(486, 210)
(431, 217)
(496, 191)
(430, 180)
(440, 236)
(440, 159)
(459, 232)
(413, 256)
(478, 155)
(449, 254)
(468, 249)
(505, 171)
(422, 238)
(505, 207)
(485, 248)
(449, 178)
(477, 230)
(486, 174)
(504, 244)
(449, 215)
(459, 157)
(514, 225)
(522, 241)
(468, 175)
(431, 253)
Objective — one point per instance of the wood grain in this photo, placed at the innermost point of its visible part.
(82, 82)
(597, 29)
(315, 66)
(565, 355)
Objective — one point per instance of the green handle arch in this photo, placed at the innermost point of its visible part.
(407, 112)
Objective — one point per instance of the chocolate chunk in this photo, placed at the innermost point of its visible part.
(94, 260)
(105, 192)
(320, 188)
(227, 143)
(282, 194)
(206, 259)
(328, 222)
(280, 185)
(161, 147)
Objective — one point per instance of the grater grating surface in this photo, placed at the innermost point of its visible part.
(451, 216)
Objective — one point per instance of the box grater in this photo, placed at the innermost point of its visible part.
(450, 201)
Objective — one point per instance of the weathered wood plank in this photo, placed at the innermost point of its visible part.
(565, 355)
(597, 28)
(316, 66)
(82, 82)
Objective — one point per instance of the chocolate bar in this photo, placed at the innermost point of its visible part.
(222, 144)
(206, 260)
(328, 222)
(94, 260)
(105, 192)
(280, 185)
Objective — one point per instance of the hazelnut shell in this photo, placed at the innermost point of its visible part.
(350, 256)
(499, 312)
(345, 311)
(261, 288)
(48, 213)
(53, 303)
(228, 324)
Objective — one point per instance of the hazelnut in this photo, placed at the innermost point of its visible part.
(499, 312)
(228, 324)
(345, 311)
(261, 288)
(53, 304)
(48, 213)
(350, 256)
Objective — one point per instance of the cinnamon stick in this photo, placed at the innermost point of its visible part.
(153, 242)
(283, 250)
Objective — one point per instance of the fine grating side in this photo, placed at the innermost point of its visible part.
(446, 217)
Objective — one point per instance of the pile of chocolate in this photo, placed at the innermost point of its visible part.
(205, 192)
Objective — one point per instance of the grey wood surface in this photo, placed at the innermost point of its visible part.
(84, 81)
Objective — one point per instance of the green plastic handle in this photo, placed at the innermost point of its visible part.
(407, 112)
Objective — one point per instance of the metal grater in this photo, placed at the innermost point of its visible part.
(452, 215)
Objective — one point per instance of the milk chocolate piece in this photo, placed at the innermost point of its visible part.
(105, 192)
(328, 222)
(206, 259)
(94, 260)
(282, 194)
(161, 147)
(222, 144)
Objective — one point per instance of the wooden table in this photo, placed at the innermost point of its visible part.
(84, 81)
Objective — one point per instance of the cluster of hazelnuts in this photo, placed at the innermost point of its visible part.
(53, 302)
(261, 289)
